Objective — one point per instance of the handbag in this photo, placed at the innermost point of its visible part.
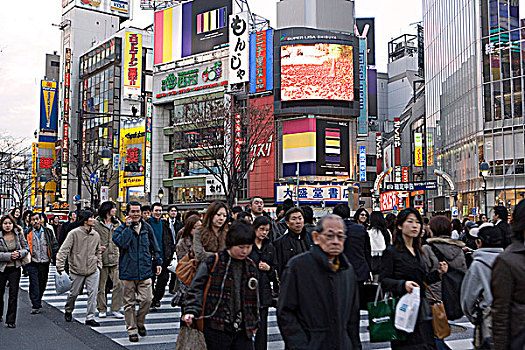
(381, 316)
(190, 339)
(186, 269)
(439, 316)
(172, 267)
(26, 259)
(180, 295)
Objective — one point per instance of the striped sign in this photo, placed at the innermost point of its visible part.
(299, 140)
(212, 20)
(333, 145)
(168, 34)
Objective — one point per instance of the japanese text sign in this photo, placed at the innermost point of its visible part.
(239, 48)
(132, 64)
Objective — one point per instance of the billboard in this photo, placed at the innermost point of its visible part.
(299, 140)
(389, 201)
(314, 193)
(362, 120)
(112, 7)
(48, 105)
(261, 61)
(372, 93)
(132, 154)
(370, 38)
(187, 82)
(397, 149)
(362, 163)
(418, 149)
(239, 48)
(379, 152)
(319, 71)
(332, 142)
(132, 64)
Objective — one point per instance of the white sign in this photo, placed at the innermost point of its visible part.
(104, 193)
(455, 211)
(214, 186)
(312, 193)
(116, 161)
(239, 61)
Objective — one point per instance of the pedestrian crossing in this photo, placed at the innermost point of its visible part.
(163, 326)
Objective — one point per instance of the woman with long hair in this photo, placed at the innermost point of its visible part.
(402, 269)
(380, 239)
(16, 213)
(210, 238)
(361, 217)
(13, 248)
(185, 239)
(457, 229)
(26, 224)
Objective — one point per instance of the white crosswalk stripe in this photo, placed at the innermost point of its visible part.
(163, 325)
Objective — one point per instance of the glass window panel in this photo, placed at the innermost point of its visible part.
(497, 100)
(505, 60)
(495, 63)
(504, 14)
(493, 13)
(515, 61)
(517, 98)
(507, 99)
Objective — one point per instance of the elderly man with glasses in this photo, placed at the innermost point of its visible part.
(318, 306)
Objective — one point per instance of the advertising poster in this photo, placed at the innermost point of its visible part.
(113, 7)
(167, 37)
(362, 163)
(34, 167)
(397, 149)
(370, 38)
(132, 155)
(317, 72)
(48, 105)
(261, 61)
(314, 193)
(379, 152)
(418, 151)
(372, 93)
(362, 120)
(332, 148)
(239, 48)
(132, 64)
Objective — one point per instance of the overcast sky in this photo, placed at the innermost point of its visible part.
(27, 35)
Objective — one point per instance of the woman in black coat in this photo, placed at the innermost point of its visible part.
(263, 255)
(402, 269)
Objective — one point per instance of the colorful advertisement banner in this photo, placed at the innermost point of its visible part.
(332, 148)
(299, 140)
(315, 193)
(34, 174)
(430, 149)
(239, 48)
(362, 163)
(379, 152)
(132, 155)
(147, 174)
(132, 64)
(418, 151)
(48, 105)
(397, 149)
(388, 201)
(362, 120)
(113, 7)
(261, 61)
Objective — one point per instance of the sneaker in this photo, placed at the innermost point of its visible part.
(142, 331)
(155, 303)
(68, 316)
(152, 309)
(11, 325)
(134, 338)
(102, 314)
(92, 323)
(117, 314)
(35, 311)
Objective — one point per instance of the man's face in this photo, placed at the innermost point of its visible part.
(73, 217)
(146, 214)
(36, 222)
(257, 206)
(90, 222)
(331, 240)
(55, 220)
(173, 213)
(157, 212)
(134, 213)
(296, 222)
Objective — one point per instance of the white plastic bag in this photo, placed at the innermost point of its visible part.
(407, 309)
(62, 283)
(173, 264)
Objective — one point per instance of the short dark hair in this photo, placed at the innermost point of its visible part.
(291, 211)
(145, 207)
(156, 204)
(253, 198)
(440, 226)
(287, 204)
(84, 215)
(105, 208)
(171, 206)
(240, 233)
(308, 214)
(518, 221)
(133, 203)
(35, 213)
(261, 221)
(189, 213)
(243, 214)
(237, 209)
(490, 236)
(502, 212)
(343, 210)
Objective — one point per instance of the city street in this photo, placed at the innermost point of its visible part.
(162, 326)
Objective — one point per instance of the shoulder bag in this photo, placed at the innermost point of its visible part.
(439, 316)
(186, 269)
(381, 315)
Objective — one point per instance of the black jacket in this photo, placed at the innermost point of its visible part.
(265, 254)
(64, 230)
(319, 308)
(290, 245)
(506, 233)
(357, 250)
(168, 245)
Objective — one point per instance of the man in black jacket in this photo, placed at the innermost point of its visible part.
(501, 221)
(295, 240)
(319, 303)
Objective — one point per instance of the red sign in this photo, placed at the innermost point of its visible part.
(260, 61)
(46, 162)
(388, 201)
(132, 156)
(404, 174)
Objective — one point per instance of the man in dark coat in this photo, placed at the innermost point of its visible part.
(501, 221)
(319, 303)
(295, 240)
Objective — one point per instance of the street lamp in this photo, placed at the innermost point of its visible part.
(484, 171)
(160, 194)
(106, 156)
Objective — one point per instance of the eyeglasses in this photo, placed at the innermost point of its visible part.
(331, 236)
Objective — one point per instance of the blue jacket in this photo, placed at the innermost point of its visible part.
(136, 252)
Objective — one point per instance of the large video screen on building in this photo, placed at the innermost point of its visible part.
(317, 72)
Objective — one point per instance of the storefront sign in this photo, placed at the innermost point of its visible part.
(418, 149)
(411, 186)
(388, 201)
(34, 174)
(317, 193)
(362, 120)
(238, 141)
(213, 186)
(131, 151)
(132, 64)
(404, 174)
(397, 149)
(362, 163)
(149, 107)
(261, 61)
(379, 152)
(239, 48)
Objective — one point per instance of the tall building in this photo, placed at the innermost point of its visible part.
(474, 61)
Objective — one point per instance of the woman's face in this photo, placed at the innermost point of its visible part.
(363, 217)
(240, 252)
(196, 226)
(113, 212)
(411, 227)
(220, 218)
(484, 218)
(262, 231)
(7, 225)
(17, 213)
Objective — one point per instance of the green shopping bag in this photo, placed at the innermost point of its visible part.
(381, 316)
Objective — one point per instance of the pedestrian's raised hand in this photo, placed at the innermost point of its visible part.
(188, 318)
(127, 220)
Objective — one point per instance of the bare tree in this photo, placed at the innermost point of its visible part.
(15, 171)
(222, 139)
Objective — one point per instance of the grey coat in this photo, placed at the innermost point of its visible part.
(111, 254)
(5, 255)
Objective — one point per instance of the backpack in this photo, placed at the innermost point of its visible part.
(450, 288)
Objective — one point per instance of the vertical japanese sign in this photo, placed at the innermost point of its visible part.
(418, 149)
(261, 61)
(65, 124)
(239, 48)
(48, 105)
(430, 149)
(362, 120)
(34, 174)
(132, 64)
(397, 149)
(379, 152)
(147, 174)
(238, 141)
(404, 174)
(362, 163)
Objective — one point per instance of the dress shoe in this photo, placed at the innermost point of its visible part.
(92, 323)
(134, 338)
(11, 325)
(142, 331)
(68, 316)
(35, 311)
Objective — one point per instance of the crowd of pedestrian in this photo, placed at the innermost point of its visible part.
(226, 269)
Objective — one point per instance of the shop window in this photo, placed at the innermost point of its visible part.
(520, 166)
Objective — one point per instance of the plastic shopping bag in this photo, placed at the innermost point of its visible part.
(172, 267)
(62, 282)
(407, 310)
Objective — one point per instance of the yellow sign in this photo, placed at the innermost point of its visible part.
(132, 64)
(418, 154)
